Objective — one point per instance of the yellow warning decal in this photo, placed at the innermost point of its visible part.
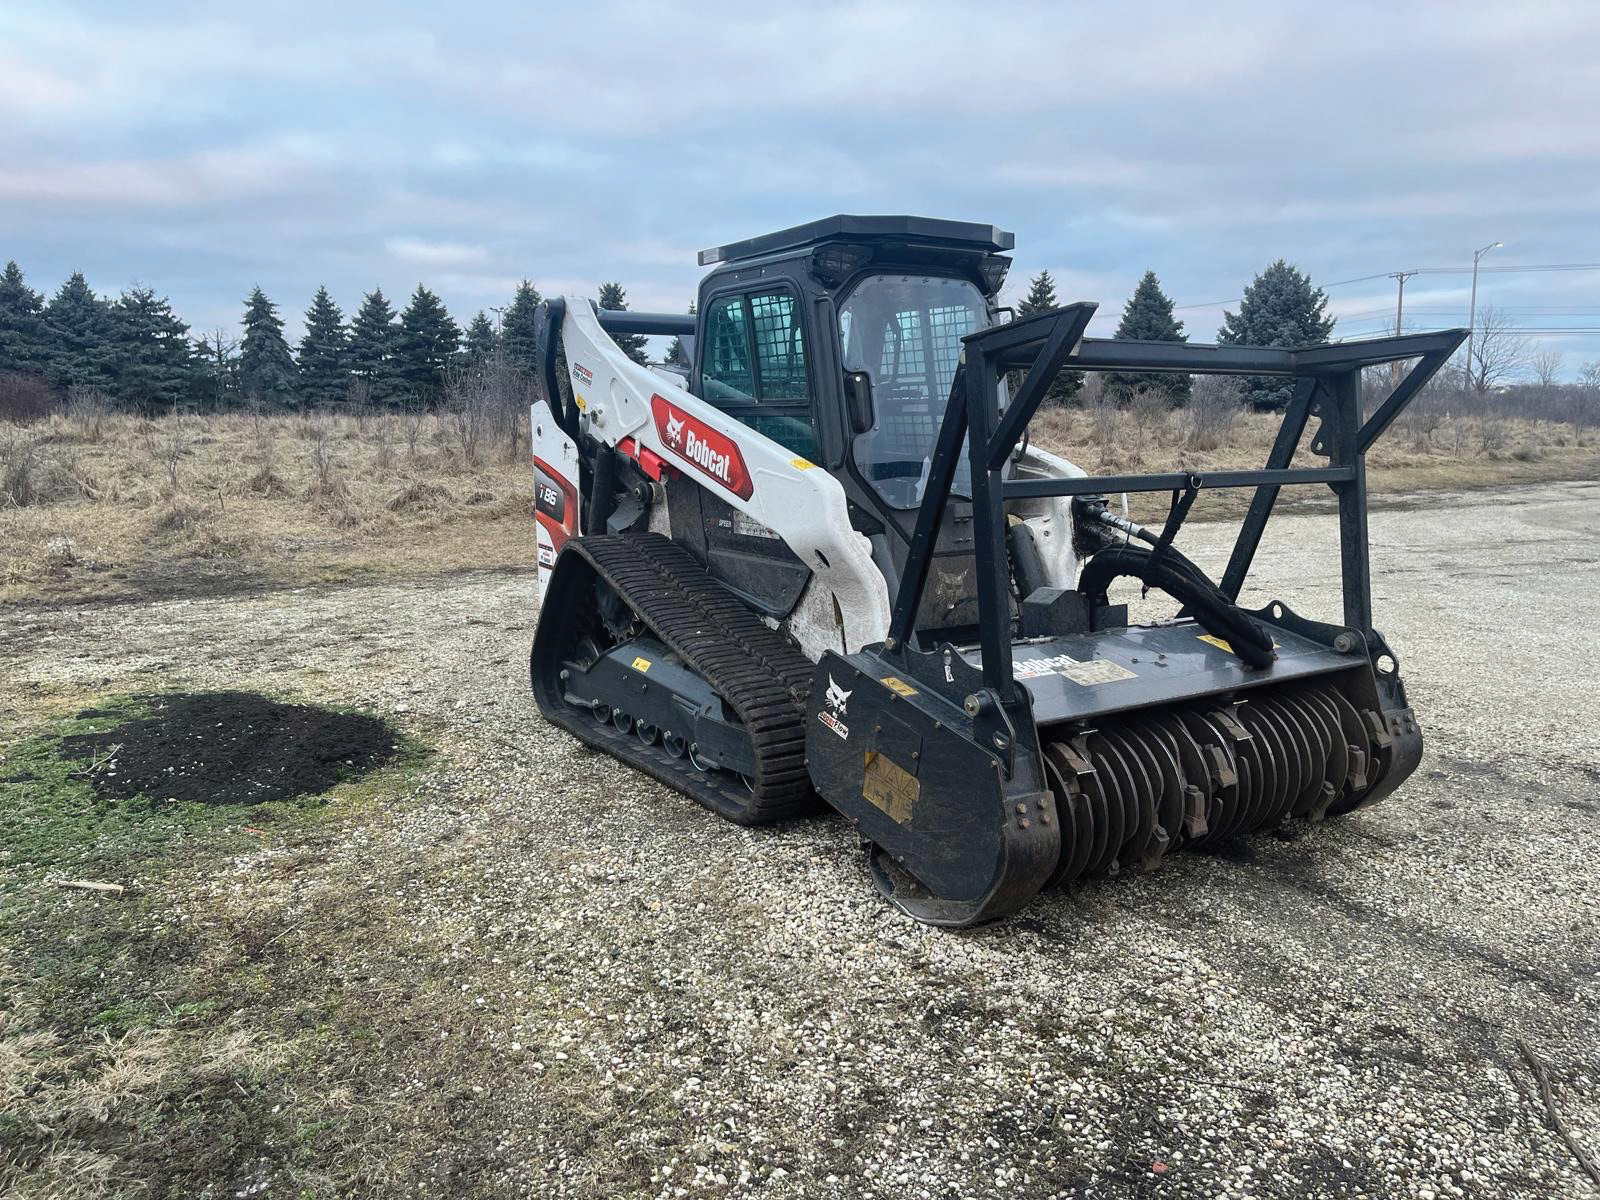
(801, 464)
(641, 665)
(889, 786)
(583, 405)
(898, 686)
(1222, 644)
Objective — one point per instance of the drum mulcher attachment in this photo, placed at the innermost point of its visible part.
(1068, 744)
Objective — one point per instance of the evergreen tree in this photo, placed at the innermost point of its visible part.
(373, 334)
(22, 334)
(614, 298)
(518, 326)
(152, 358)
(1280, 308)
(677, 355)
(78, 327)
(324, 353)
(1147, 317)
(428, 340)
(266, 368)
(1041, 297)
(480, 342)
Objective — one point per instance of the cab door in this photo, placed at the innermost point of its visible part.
(751, 363)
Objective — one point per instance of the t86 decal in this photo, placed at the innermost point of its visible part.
(709, 451)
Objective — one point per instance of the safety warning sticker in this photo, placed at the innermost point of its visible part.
(889, 786)
(1097, 670)
(898, 686)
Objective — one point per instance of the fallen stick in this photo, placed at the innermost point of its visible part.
(96, 763)
(1542, 1076)
(87, 885)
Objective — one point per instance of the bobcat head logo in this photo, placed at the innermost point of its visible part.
(675, 430)
(836, 696)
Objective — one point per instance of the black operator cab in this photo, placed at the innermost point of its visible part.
(839, 339)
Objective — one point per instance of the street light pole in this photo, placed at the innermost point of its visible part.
(1472, 314)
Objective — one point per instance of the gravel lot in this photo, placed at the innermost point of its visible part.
(661, 1004)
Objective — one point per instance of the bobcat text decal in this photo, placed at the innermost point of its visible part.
(711, 452)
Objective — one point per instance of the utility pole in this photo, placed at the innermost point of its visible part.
(1399, 277)
(1472, 315)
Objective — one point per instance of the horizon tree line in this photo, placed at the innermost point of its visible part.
(137, 351)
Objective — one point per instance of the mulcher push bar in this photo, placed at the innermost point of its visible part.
(1327, 383)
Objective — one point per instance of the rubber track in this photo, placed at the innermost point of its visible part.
(762, 678)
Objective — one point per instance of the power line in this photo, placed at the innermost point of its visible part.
(1533, 267)
(1237, 299)
(1510, 270)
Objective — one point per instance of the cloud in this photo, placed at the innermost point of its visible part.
(362, 144)
(436, 254)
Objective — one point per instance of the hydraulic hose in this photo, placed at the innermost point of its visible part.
(1178, 577)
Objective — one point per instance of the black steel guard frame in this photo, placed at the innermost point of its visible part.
(1327, 383)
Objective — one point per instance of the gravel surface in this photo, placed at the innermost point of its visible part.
(663, 1004)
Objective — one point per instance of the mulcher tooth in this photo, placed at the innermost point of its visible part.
(1194, 813)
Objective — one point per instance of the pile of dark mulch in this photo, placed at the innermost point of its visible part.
(229, 748)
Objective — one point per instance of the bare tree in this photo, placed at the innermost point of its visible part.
(1498, 352)
(220, 352)
(1212, 411)
(469, 401)
(1546, 365)
(1584, 399)
(167, 443)
(328, 483)
(414, 417)
(1150, 409)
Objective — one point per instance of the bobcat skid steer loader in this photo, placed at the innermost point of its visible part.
(823, 560)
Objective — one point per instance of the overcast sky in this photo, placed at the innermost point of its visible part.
(467, 146)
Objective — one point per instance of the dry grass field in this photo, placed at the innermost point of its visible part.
(101, 505)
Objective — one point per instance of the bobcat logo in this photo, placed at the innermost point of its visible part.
(675, 430)
(951, 580)
(836, 696)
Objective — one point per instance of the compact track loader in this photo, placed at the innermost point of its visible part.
(824, 560)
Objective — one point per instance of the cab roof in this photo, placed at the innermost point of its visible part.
(925, 231)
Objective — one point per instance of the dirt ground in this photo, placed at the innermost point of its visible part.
(521, 970)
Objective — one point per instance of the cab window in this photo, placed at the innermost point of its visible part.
(727, 374)
(754, 366)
